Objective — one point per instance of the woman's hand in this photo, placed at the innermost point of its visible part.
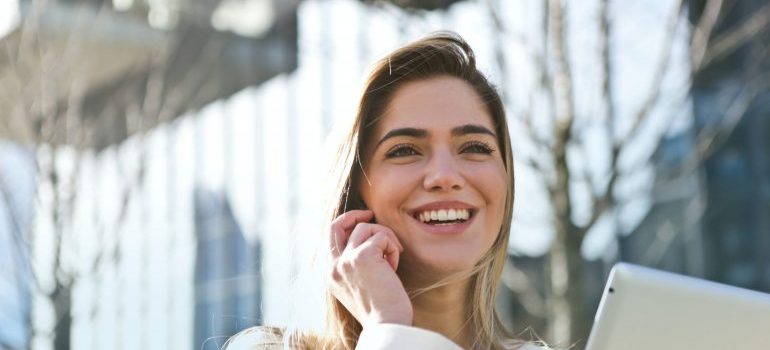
(363, 274)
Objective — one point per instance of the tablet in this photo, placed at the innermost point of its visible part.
(643, 309)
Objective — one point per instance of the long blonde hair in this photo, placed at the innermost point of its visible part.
(439, 54)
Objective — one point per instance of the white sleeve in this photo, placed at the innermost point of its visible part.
(398, 337)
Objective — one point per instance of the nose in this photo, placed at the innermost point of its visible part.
(443, 173)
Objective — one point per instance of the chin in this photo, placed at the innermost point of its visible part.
(444, 262)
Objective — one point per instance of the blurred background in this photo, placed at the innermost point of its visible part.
(163, 162)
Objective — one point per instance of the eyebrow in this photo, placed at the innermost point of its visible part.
(422, 133)
(471, 129)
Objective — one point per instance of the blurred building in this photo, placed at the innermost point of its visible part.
(113, 72)
(670, 236)
(709, 219)
(17, 187)
(737, 219)
(154, 60)
(714, 221)
(227, 274)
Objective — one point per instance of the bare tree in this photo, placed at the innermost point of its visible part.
(47, 115)
(62, 109)
(562, 146)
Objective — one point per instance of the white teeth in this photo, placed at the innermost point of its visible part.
(444, 215)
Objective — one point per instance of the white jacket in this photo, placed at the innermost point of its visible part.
(400, 337)
(373, 337)
(387, 336)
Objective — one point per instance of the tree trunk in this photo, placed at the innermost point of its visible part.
(566, 305)
(62, 298)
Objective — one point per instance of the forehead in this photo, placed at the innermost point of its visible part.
(434, 104)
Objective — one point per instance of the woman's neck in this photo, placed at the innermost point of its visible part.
(445, 310)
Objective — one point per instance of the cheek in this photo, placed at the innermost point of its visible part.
(491, 181)
(388, 190)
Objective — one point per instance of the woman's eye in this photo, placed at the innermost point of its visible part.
(401, 151)
(477, 147)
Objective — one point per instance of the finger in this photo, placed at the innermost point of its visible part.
(384, 247)
(342, 225)
(363, 231)
(392, 235)
(395, 239)
(392, 254)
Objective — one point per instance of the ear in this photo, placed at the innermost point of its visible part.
(361, 204)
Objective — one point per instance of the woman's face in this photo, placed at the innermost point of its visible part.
(434, 174)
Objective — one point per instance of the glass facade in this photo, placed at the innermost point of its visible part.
(227, 274)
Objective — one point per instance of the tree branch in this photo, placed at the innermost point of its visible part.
(604, 43)
(562, 78)
(605, 199)
(711, 139)
(733, 39)
(518, 282)
(564, 113)
(657, 79)
(600, 203)
(536, 60)
(701, 32)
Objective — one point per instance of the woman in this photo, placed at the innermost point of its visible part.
(420, 229)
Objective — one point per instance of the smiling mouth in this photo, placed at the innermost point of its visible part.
(443, 217)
